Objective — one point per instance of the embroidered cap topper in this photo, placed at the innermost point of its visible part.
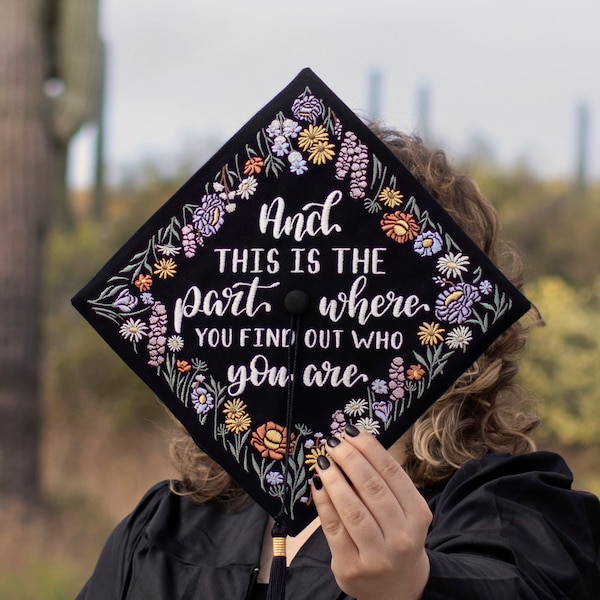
(302, 279)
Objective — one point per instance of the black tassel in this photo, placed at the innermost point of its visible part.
(277, 576)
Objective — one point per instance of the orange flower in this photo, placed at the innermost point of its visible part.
(401, 227)
(270, 440)
(253, 165)
(415, 372)
(143, 282)
(183, 366)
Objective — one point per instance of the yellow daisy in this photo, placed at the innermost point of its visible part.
(313, 456)
(311, 135)
(391, 197)
(321, 152)
(430, 334)
(165, 267)
(238, 423)
(234, 408)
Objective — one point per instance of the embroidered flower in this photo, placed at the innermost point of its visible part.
(297, 163)
(280, 146)
(338, 422)
(156, 336)
(274, 478)
(415, 372)
(274, 129)
(311, 135)
(143, 282)
(253, 165)
(382, 409)
(133, 330)
(307, 108)
(313, 456)
(188, 241)
(168, 249)
(396, 379)
(459, 337)
(234, 407)
(202, 400)
(485, 287)
(165, 267)
(183, 366)
(291, 128)
(247, 187)
(175, 343)
(452, 265)
(125, 301)
(209, 217)
(355, 408)
(430, 334)
(238, 422)
(321, 152)
(428, 243)
(390, 197)
(455, 304)
(270, 440)
(379, 386)
(147, 298)
(369, 425)
(399, 226)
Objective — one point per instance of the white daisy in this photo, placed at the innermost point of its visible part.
(459, 337)
(357, 407)
(247, 187)
(175, 343)
(451, 265)
(168, 249)
(369, 425)
(133, 330)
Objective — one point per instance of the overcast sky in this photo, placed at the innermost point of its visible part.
(510, 72)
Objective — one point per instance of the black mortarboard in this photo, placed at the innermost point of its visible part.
(300, 280)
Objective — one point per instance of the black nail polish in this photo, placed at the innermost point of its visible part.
(323, 462)
(332, 441)
(317, 482)
(351, 430)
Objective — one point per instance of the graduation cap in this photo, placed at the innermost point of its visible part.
(302, 279)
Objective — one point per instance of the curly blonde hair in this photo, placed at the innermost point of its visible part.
(484, 411)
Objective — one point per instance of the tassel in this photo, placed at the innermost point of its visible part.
(276, 590)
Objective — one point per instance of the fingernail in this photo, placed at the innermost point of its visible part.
(323, 462)
(332, 441)
(351, 430)
(317, 482)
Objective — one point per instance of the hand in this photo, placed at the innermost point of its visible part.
(374, 519)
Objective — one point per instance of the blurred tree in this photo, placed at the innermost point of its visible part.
(33, 137)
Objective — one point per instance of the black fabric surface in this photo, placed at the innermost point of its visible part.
(504, 528)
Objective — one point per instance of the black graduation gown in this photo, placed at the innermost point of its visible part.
(504, 528)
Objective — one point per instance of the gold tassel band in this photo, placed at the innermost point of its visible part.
(278, 546)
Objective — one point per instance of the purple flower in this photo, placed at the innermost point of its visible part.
(428, 243)
(125, 301)
(338, 423)
(274, 478)
(291, 128)
(280, 146)
(202, 400)
(382, 409)
(455, 304)
(307, 108)
(397, 378)
(485, 287)
(156, 336)
(379, 386)
(209, 217)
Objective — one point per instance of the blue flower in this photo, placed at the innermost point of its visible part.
(202, 400)
(274, 478)
(280, 146)
(485, 287)
(428, 243)
(379, 386)
(147, 298)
